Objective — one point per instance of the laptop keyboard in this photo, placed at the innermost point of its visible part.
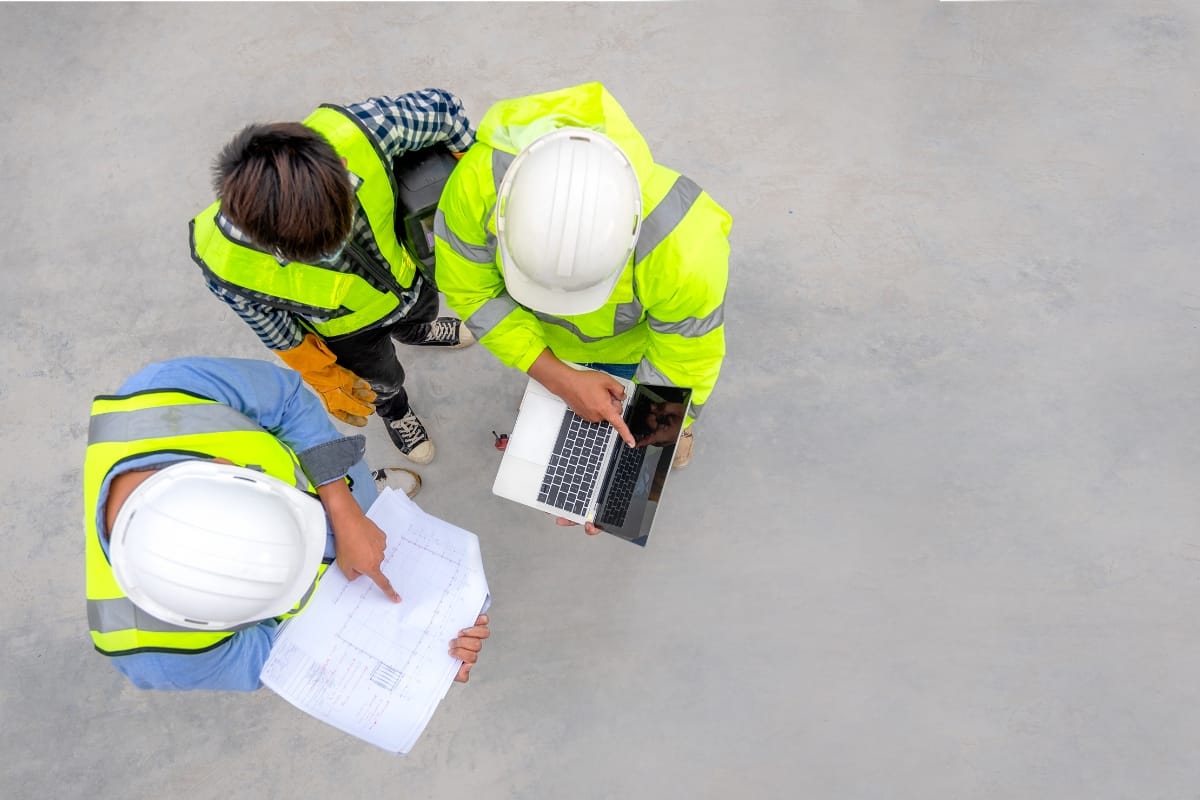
(571, 477)
(621, 485)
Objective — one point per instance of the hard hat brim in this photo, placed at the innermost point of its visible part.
(305, 513)
(554, 301)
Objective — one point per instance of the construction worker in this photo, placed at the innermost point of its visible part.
(302, 244)
(559, 239)
(216, 493)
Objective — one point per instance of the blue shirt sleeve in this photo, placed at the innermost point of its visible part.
(270, 395)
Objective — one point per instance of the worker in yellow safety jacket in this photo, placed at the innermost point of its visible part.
(558, 239)
(303, 244)
(216, 494)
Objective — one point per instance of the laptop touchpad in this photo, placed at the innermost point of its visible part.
(536, 429)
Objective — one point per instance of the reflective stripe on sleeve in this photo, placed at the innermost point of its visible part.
(670, 211)
(627, 316)
(490, 314)
(476, 254)
(501, 161)
(648, 373)
(691, 327)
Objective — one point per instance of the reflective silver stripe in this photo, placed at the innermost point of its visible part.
(163, 421)
(490, 314)
(500, 164)
(659, 223)
(648, 373)
(627, 315)
(692, 326)
(574, 331)
(476, 254)
(120, 614)
(300, 477)
(312, 587)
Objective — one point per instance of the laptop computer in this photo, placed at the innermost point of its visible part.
(558, 462)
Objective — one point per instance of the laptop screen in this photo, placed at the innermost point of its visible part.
(635, 478)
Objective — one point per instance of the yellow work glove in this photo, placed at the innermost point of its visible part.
(346, 396)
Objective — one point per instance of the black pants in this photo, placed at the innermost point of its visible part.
(371, 354)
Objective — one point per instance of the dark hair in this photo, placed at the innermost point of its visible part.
(286, 188)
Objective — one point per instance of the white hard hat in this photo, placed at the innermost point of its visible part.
(568, 214)
(213, 546)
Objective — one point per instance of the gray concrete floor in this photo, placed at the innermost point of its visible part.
(942, 535)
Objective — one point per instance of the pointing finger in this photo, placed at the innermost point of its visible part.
(384, 584)
(615, 420)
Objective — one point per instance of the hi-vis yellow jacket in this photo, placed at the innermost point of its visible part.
(165, 421)
(348, 302)
(666, 313)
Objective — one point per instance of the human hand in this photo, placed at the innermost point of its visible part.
(588, 528)
(596, 396)
(360, 544)
(593, 395)
(467, 646)
(662, 423)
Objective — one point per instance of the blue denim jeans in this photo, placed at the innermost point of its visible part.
(625, 371)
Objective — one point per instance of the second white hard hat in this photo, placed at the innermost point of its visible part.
(568, 215)
(213, 546)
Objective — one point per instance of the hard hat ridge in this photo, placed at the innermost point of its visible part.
(568, 215)
(215, 546)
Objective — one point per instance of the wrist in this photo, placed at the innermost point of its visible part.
(550, 372)
(337, 500)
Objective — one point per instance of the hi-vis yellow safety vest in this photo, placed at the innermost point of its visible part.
(348, 302)
(667, 311)
(166, 421)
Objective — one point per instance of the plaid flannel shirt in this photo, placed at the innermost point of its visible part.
(408, 122)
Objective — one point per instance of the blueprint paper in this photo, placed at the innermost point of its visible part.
(374, 668)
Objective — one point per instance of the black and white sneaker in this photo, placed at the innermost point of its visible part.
(398, 478)
(447, 332)
(410, 438)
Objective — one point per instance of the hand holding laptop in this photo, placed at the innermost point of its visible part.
(596, 396)
(580, 471)
(588, 528)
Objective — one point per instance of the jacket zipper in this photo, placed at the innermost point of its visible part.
(364, 262)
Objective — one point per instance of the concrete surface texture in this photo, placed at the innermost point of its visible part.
(941, 538)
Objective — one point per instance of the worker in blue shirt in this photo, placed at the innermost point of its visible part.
(216, 493)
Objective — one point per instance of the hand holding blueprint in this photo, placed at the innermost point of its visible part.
(371, 667)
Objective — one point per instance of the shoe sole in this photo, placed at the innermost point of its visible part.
(381, 477)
